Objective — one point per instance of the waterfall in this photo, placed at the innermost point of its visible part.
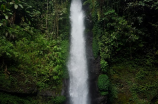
(77, 64)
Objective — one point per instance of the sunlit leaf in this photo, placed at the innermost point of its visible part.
(21, 6)
(1, 24)
(6, 16)
(15, 6)
(11, 3)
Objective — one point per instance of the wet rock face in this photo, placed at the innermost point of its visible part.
(102, 100)
(94, 71)
(93, 67)
(65, 90)
(93, 64)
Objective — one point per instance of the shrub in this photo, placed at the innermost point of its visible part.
(103, 84)
(59, 99)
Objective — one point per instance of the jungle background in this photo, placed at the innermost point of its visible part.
(34, 45)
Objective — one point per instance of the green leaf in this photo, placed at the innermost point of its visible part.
(21, 6)
(15, 6)
(11, 3)
(109, 12)
(1, 24)
(3, 7)
(6, 16)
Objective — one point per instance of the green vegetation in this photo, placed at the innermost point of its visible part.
(34, 43)
(103, 84)
(33, 48)
(59, 99)
(125, 32)
(136, 84)
(13, 99)
(95, 47)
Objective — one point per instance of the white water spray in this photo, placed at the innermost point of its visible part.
(77, 65)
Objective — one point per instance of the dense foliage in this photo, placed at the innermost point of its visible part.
(124, 38)
(33, 46)
(34, 43)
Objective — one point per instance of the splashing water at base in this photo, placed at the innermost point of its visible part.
(77, 64)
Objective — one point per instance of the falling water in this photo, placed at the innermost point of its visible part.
(77, 64)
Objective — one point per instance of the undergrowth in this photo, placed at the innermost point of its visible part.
(135, 83)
